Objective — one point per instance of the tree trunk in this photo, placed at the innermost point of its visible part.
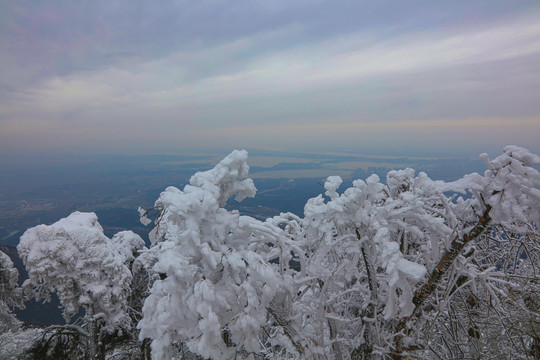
(146, 353)
(288, 330)
(93, 336)
(422, 294)
(363, 352)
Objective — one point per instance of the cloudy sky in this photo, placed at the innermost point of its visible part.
(391, 77)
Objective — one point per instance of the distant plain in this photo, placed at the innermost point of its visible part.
(44, 189)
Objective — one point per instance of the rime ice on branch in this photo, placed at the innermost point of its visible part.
(217, 278)
(75, 260)
(365, 261)
(410, 267)
(10, 294)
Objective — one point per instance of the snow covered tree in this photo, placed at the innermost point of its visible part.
(381, 259)
(75, 260)
(405, 268)
(368, 273)
(10, 294)
(217, 281)
(486, 309)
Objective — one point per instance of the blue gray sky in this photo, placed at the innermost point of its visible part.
(420, 77)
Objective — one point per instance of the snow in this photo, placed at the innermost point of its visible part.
(127, 243)
(318, 286)
(10, 294)
(214, 280)
(74, 259)
(331, 185)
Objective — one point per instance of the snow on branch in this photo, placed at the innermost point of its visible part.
(74, 259)
(410, 267)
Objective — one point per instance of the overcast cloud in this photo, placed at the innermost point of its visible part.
(413, 77)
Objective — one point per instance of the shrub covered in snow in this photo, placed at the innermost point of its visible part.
(10, 294)
(374, 265)
(409, 267)
(75, 260)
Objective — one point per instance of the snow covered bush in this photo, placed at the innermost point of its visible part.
(408, 267)
(487, 309)
(16, 344)
(10, 294)
(217, 280)
(364, 274)
(75, 260)
(381, 258)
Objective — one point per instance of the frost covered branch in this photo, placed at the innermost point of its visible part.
(406, 267)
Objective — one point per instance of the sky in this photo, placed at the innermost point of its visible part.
(419, 77)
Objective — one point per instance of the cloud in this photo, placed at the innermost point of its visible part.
(268, 82)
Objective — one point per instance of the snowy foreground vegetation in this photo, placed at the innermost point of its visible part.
(409, 268)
